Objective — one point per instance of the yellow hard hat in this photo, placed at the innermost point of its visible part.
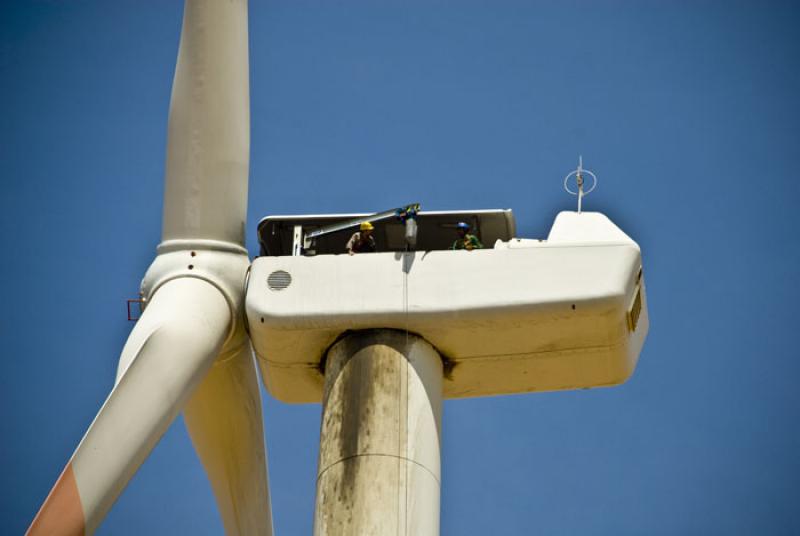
(366, 226)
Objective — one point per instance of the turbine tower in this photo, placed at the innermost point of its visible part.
(189, 351)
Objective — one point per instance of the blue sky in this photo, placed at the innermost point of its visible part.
(687, 111)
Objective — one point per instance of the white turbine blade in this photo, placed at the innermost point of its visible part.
(208, 139)
(223, 417)
(188, 319)
(168, 353)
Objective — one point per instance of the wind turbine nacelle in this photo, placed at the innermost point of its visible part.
(568, 312)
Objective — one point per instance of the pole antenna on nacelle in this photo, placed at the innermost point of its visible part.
(579, 174)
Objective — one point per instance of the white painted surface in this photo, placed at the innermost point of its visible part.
(503, 317)
(184, 328)
(379, 461)
(592, 227)
(208, 147)
(224, 420)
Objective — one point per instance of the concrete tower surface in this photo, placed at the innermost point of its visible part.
(379, 470)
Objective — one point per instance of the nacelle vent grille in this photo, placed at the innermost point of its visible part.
(279, 280)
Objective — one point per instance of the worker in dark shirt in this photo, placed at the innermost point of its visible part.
(465, 239)
(362, 241)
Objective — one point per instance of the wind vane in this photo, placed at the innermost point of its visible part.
(578, 174)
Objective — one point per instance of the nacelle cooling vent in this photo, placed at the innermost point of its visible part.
(279, 280)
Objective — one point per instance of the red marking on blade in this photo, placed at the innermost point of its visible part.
(62, 513)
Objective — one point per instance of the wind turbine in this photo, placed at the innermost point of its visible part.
(189, 351)
(378, 339)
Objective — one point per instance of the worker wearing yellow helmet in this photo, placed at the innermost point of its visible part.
(362, 241)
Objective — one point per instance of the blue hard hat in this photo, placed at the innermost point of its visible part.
(462, 225)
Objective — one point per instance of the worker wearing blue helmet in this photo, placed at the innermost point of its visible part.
(466, 240)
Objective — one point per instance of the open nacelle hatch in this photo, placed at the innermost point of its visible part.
(436, 230)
